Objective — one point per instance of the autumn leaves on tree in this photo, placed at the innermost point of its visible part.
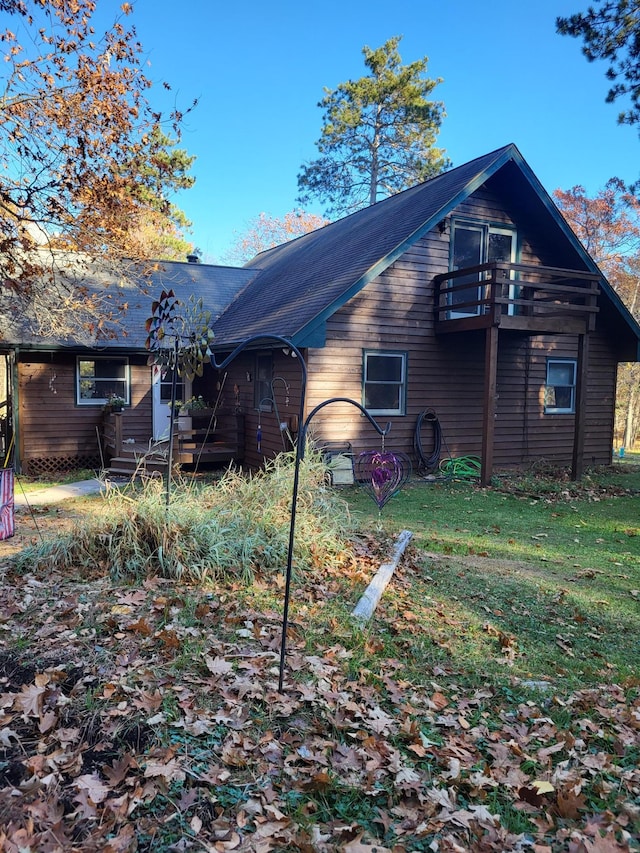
(608, 225)
(87, 162)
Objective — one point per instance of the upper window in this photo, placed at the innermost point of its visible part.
(98, 379)
(560, 389)
(472, 244)
(384, 382)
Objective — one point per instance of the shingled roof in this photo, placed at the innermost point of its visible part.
(304, 281)
(300, 284)
(291, 290)
(216, 285)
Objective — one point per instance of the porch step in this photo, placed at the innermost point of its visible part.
(129, 465)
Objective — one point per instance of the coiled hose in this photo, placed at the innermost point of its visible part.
(461, 468)
(428, 463)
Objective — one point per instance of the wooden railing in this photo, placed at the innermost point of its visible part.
(518, 296)
(212, 437)
(112, 434)
(217, 438)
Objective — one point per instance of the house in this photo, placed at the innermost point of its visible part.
(467, 296)
(55, 390)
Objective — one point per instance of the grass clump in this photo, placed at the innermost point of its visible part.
(235, 528)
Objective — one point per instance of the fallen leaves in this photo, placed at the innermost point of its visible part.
(148, 714)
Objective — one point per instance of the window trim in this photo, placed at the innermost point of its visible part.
(101, 401)
(561, 410)
(403, 355)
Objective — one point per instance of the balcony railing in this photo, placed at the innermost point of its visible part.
(517, 296)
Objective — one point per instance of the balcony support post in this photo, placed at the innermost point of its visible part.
(577, 462)
(489, 403)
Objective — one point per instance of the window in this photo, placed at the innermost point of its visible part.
(183, 388)
(560, 390)
(384, 382)
(97, 379)
(473, 244)
(262, 393)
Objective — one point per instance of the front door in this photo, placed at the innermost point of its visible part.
(161, 396)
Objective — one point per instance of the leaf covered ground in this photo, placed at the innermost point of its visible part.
(147, 717)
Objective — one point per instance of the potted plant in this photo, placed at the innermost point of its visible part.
(195, 404)
(115, 403)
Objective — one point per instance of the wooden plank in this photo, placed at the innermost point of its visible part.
(363, 611)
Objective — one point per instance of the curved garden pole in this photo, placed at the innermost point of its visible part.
(300, 448)
(296, 475)
(374, 424)
(172, 426)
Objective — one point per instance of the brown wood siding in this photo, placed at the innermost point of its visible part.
(394, 312)
(52, 426)
(485, 206)
(601, 399)
(446, 373)
(239, 390)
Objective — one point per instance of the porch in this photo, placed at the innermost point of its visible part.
(522, 297)
(218, 442)
(502, 297)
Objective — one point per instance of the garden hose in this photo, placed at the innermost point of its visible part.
(428, 463)
(462, 468)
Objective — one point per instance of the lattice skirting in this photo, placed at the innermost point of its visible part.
(53, 465)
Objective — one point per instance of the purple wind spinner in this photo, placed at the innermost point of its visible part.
(382, 473)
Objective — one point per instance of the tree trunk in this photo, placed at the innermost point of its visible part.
(630, 426)
(375, 145)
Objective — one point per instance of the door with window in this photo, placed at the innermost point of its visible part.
(473, 244)
(161, 379)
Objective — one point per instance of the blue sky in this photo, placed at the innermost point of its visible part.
(258, 70)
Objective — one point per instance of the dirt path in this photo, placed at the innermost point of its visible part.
(32, 524)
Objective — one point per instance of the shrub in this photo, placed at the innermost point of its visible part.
(234, 528)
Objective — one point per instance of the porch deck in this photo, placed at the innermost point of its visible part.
(220, 446)
(529, 298)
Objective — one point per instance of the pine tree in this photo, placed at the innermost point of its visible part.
(378, 135)
(611, 31)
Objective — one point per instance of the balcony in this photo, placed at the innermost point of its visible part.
(528, 298)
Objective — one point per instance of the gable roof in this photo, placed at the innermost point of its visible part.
(301, 283)
(291, 290)
(216, 285)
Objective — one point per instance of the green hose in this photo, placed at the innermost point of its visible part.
(461, 468)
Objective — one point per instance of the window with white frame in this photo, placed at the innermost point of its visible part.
(560, 388)
(98, 379)
(384, 382)
(183, 387)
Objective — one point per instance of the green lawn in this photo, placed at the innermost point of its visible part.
(553, 568)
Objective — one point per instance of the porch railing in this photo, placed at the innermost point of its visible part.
(518, 296)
